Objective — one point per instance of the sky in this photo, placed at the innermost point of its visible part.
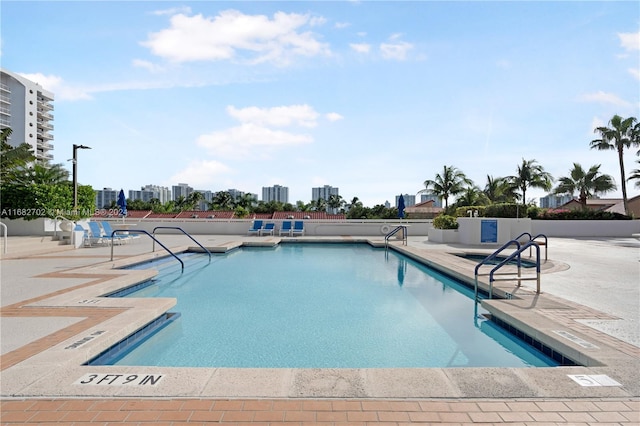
(370, 97)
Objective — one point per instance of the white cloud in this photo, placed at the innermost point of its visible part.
(334, 116)
(149, 66)
(607, 98)
(232, 35)
(201, 172)
(250, 140)
(395, 49)
(360, 47)
(341, 25)
(173, 11)
(60, 89)
(635, 72)
(301, 115)
(630, 41)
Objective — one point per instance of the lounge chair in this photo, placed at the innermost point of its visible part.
(268, 229)
(96, 235)
(256, 226)
(108, 230)
(298, 228)
(286, 228)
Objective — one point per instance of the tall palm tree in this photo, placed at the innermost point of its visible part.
(472, 196)
(13, 160)
(531, 175)
(635, 175)
(335, 202)
(586, 184)
(622, 133)
(451, 182)
(499, 190)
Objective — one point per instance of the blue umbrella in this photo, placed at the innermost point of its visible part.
(401, 207)
(122, 203)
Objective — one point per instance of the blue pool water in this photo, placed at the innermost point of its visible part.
(321, 306)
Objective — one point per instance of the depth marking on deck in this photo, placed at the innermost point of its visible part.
(85, 339)
(593, 380)
(575, 339)
(102, 379)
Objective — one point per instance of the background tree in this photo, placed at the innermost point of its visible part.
(335, 202)
(472, 196)
(635, 175)
(622, 133)
(531, 175)
(586, 184)
(499, 190)
(450, 183)
(13, 159)
(222, 201)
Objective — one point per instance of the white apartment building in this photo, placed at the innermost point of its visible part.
(106, 197)
(181, 190)
(27, 109)
(149, 192)
(324, 192)
(551, 201)
(275, 193)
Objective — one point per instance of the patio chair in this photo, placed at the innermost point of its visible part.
(268, 229)
(256, 226)
(108, 230)
(298, 228)
(286, 228)
(96, 235)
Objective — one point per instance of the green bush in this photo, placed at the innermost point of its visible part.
(560, 214)
(505, 210)
(462, 211)
(445, 222)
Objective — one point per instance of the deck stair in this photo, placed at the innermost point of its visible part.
(31, 245)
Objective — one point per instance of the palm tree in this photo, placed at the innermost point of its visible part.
(531, 175)
(451, 182)
(586, 184)
(499, 190)
(335, 202)
(193, 199)
(635, 175)
(13, 159)
(622, 133)
(40, 174)
(472, 196)
(222, 201)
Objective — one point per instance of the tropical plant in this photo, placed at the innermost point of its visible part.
(445, 221)
(622, 133)
(451, 182)
(13, 159)
(635, 175)
(530, 175)
(335, 202)
(499, 190)
(472, 196)
(222, 200)
(586, 184)
(42, 174)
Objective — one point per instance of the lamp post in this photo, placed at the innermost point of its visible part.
(75, 174)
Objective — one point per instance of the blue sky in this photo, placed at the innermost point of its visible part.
(371, 97)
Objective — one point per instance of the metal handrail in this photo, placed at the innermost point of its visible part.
(510, 257)
(185, 233)
(6, 241)
(395, 231)
(531, 238)
(141, 231)
(492, 256)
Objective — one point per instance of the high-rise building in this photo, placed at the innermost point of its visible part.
(149, 192)
(181, 190)
(409, 200)
(324, 192)
(106, 197)
(437, 201)
(551, 201)
(275, 193)
(27, 109)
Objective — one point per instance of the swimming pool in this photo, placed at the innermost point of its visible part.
(321, 306)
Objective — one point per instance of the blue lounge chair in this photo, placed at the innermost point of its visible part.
(286, 228)
(96, 235)
(298, 228)
(268, 229)
(256, 226)
(108, 230)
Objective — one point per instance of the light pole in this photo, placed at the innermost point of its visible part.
(75, 174)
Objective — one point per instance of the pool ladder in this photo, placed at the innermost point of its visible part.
(155, 240)
(395, 231)
(531, 244)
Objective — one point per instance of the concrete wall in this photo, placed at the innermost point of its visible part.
(585, 228)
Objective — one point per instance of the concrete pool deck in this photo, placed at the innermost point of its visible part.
(53, 320)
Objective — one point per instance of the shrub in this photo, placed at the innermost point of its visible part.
(505, 210)
(445, 222)
(579, 214)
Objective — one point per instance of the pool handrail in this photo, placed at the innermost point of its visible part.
(532, 238)
(185, 233)
(142, 231)
(528, 245)
(492, 256)
(395, 231)
(6, 240)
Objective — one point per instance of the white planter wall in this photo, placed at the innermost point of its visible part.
(586, 228)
